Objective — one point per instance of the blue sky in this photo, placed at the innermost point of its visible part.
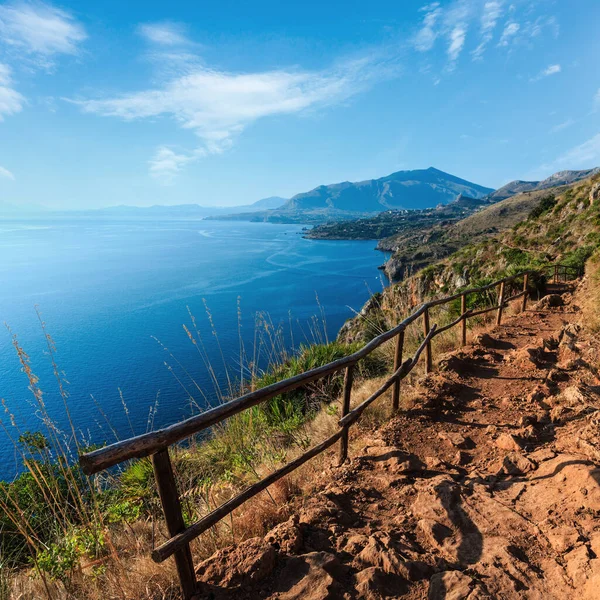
(224, 103)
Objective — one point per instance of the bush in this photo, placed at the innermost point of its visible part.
(546, 203)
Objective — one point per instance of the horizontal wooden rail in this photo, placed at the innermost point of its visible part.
(157, 443)
(149, 443)
(180, 540)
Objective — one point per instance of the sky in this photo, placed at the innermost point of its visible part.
(224, 103)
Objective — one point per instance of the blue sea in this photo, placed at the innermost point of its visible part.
(107, 290)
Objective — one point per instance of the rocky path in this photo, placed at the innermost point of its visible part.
(487, 488)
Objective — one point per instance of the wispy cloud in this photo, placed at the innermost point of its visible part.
(427, 34)
(11, 101)
(561, 126)
(510, 31)
(6, 174)
(492, 11)
(549, 70)
(164, 34)
(218, 105)
(40, 31)
(583, 156)
(166, 164)
(457, 42)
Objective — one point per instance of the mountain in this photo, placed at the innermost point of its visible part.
(270, 202)
(418, 189)
(409, 190)
(560, 178)
(182, 211)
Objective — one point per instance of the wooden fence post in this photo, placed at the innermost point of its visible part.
(397, 363)
(169, 498)
(525, 291)
(500, 305)
(429, 362)
(348, 377)
(555, 273)
(463, 310)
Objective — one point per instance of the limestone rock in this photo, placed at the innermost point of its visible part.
(239, 566)
(286, 537)
(309, 577)
(507, 441)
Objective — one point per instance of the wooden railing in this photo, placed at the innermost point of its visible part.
(156, 444)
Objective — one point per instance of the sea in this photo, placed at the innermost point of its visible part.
(106, 309)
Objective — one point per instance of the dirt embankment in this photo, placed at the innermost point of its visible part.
(488, 487)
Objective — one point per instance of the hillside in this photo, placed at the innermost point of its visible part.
(414, 250)
(560, 224)
(560, 178)
(404, 190)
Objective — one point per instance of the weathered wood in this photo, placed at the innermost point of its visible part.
(149, 443)
(428, 357)
(348, 378)
(452, 324)
(406, 367)
(193, 531)
(169, 498)
(463, 326)
(152, 442)
(555, 273)
(500, 305)
(397, 365)
(525, 291)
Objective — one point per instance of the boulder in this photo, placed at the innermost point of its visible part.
(309, 577)
(550, 301)
(451, 585)
(286, 537)
(507, 441)
(239, 566)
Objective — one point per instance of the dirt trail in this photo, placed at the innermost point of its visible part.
(487, 488)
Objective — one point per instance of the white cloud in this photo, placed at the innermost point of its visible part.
(11, 101)
(510, 31)
(217, 105)
(549, 70)
(583, 156)
(166, 164)
(426, 36)
(164, 34)
(457, 41)
(39, 29)
(6, 174)
(561, 126)
(492, 11)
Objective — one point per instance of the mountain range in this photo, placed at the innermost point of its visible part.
(409, 190)
(561, 178)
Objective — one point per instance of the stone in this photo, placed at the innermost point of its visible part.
(485, 340)
(563, 538)
(541, 455)
(286, 537)
(550, 301)
(595, 193)
(434, 532)
(309, 577)
(375, 584)
(517, 464)
(507, 441)
(239, 566)
(578, 565)
(450, 585)
(462, 458)
(454, 439)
